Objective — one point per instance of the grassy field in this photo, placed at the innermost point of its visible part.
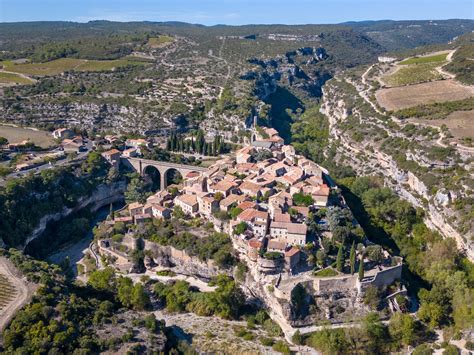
(59, 66)
(19, 134)
(54, 67)
(397, 98)
(160, 41)
(11, 78)
(438, 58)
(413, 74)
(7, 291)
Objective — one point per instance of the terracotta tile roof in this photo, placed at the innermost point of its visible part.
(255, 243)
(246, 205)
(232, 198)
(251, 214)
(282, 217)
(135, 205)
(192, 174)
(276, 244)
(293, 251)
(302, 210)
(223, 185)
(250, 187)
(292, 228)
(189, 200)
(111, 152)
(159, 208)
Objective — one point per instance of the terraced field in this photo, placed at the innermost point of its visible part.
(7, 292)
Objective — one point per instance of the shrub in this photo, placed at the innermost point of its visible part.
(281, 347)
(267, 341)
(451, 350)
(328, 272)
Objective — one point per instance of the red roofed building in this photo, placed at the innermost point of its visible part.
(254, 247)
(256, 220)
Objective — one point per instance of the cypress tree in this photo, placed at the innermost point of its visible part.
(340, 258)
(361, 267)
(111, 213)
(352, 257)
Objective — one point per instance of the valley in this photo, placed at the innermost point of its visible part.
(178, 188)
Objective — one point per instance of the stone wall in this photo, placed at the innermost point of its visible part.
(335, 284)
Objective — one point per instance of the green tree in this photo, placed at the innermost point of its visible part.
(140, 299)
(124, 291)
(352, 258)
(340, 258)
(402, 329)
(361, 267)
(3, 141)
(240, 228)
(103, 280)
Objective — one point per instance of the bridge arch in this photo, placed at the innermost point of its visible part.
(153, 176)
(164, 168)
(173, 176)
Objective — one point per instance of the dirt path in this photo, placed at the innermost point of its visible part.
(24, 291)
(21, 75)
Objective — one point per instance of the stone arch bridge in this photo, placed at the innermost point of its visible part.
(163, 167)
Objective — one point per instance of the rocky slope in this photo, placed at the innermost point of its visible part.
(373, 143)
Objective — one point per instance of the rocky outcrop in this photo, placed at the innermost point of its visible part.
(183, 263)
(405, 183)
(104, 195)
(78, 114)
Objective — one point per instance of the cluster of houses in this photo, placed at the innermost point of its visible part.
(254, 191)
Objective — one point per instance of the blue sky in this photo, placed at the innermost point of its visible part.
(234, 12)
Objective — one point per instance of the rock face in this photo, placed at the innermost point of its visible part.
(182, 263)
(104, 195)
(405, 183)
(76, 114)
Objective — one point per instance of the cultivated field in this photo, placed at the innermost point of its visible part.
(15, 292)
(413, 74)
(7, 291)
(12, 79)
(397, 98)
(18, 134)
(459, 123)
(437, 58)
(59, 66)
(160, 41)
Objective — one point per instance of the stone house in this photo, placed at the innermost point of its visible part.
(290, 233)
(160, 211)
(207, 204)
(188, 203)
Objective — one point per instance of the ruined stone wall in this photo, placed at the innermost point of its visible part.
(388, 276)
(335, 284)
(182, 262)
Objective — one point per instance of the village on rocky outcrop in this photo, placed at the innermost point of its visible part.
(284, 216)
